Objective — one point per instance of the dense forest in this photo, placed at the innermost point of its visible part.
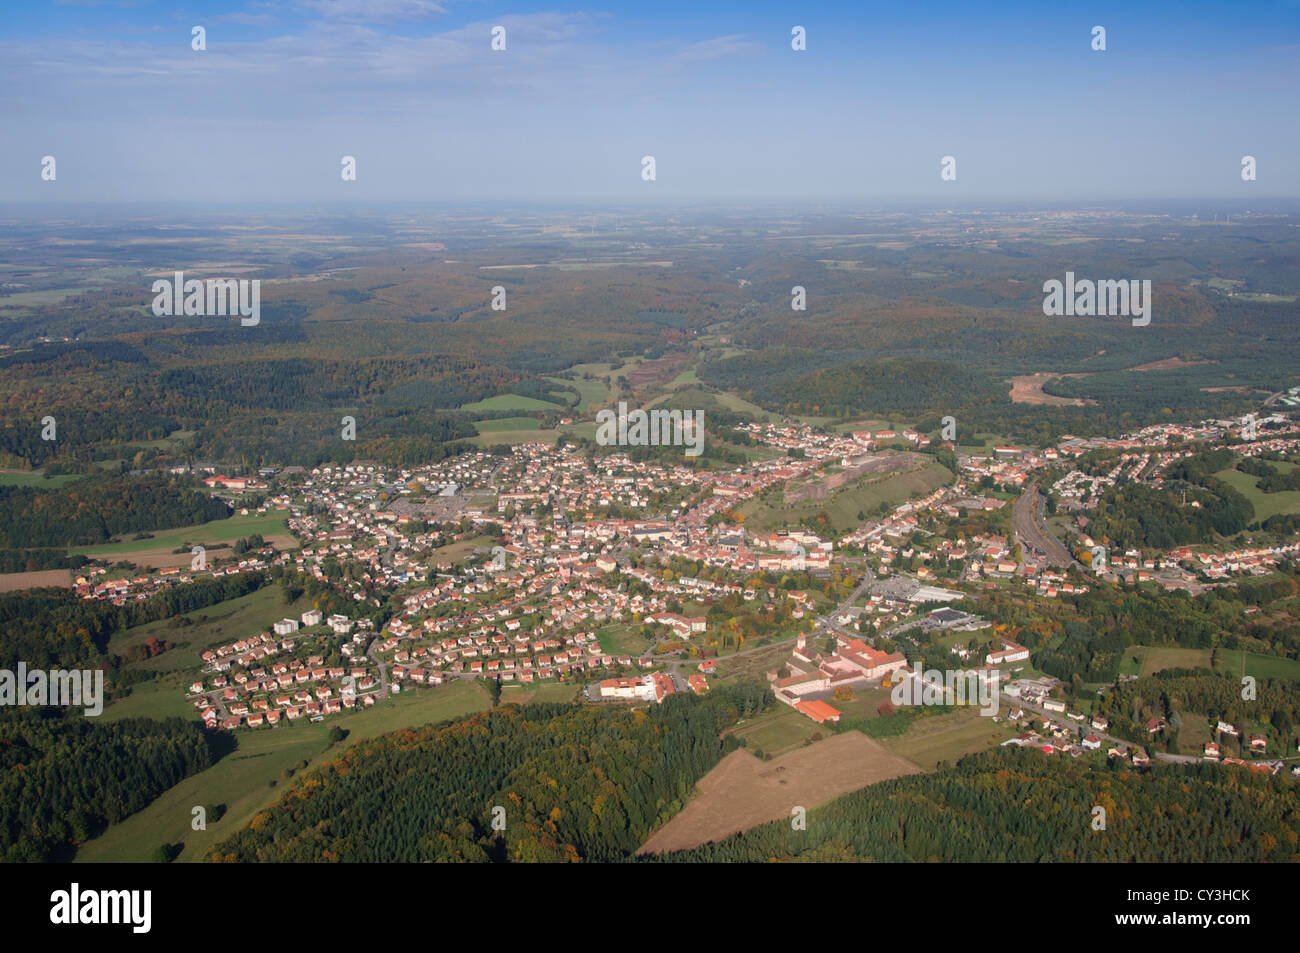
(64, 777)
(872, 386)
(1014, 805)
(1136, 515)
(97, 508)
(572, 782)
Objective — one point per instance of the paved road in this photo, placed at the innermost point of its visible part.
(1074, 726)
(372, 653)
(1031, 531)
(868, 577)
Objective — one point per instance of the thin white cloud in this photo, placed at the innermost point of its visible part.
(373, 11)
(720, 48)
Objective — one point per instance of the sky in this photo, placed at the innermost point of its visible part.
(413, 90)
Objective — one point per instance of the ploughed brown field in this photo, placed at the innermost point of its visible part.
(743, 792)
(13, 581)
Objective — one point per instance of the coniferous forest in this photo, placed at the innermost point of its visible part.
(575, 783)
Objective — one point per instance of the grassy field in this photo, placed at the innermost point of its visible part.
(492, 438)
(204, 534)
(756, 664)
(510, 402)
(538, 692)
(843, 505)
(455, 552)
(164, 697)
(594, 393)
(1147, 660)
(947, 737)
(1260, 666)
(504, 424)
(216, 625)
(863, 704)
(249, 779)
(622, 640)
(23, 299)
(778, 731)
(36, 478)
(1151, 659)
(868, 424)
(1194, 733)
(1266, 504)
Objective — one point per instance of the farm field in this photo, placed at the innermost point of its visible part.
(1260, 666)
(13, 581)
(157, 552)
(510, 402)
(248, 779)
(947, 737)
(36, 478)
(505, 424)
(492, 438)
(778, 731)
(594, 393)
(742, 792)
(1150, 660)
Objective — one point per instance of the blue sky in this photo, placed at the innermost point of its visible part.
(713, 91)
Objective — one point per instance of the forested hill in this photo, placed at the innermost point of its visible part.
(65, 777)
(1022, 806)
(576, 783)
(96, 508)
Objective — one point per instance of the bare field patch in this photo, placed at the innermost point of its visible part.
(1028, 389)
(1168, 364)
(13, 581)
(869, 465)
(160, 558)
(743, 792)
